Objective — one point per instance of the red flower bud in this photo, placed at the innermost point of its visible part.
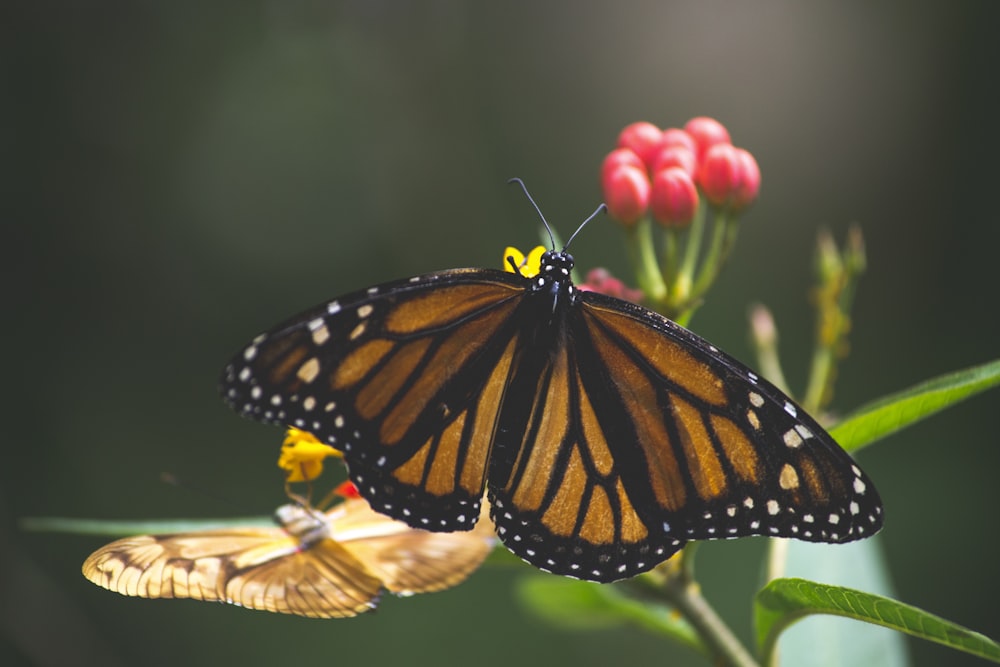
(642, 138)
(749, 185)
(729, 176)
(675, 156)
(626, 192)
(706, 132)
(673, 136)
(674, 197)
(620, 156)
(718, 174)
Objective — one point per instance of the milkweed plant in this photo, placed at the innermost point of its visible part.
(679, 196)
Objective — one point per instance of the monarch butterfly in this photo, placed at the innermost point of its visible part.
(606, 436)
(321, 565)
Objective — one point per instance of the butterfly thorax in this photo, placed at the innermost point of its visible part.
(554, 279)
(303, 523)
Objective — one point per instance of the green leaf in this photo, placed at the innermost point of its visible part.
(784, 601)
(142, 527)
(897, 411)
(581, 605)
(832, 640)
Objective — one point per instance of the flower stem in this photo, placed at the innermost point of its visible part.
(715, 256)
(680, 289)
(765, 340)
(820, 379)
(642, 254)
(673, 582)
(682, 591)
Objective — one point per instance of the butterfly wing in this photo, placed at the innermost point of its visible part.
(409, 560)
(638, 436)
(264, 569)
(405, 378)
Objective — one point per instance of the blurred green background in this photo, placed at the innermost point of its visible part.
(180, 175)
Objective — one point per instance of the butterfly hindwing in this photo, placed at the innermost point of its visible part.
(407, 560)
(562, 480)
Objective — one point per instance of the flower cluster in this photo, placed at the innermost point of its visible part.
(302, 456)
(664, 171)
(694, 183)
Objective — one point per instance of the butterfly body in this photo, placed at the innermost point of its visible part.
(605, 435)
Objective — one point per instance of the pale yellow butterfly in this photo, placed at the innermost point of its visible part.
(316, 564)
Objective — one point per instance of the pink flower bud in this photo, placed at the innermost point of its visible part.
(617, 157)
(675, 156)
(673, 136)
(729, 177)
(642, 138)
(601, 280)
(749, 183)
(626, 192)
(674, 197)
(706, 132)
(719, 174)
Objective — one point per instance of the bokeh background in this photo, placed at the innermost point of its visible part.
(180, 175)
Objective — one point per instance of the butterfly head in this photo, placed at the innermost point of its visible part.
(555, 273)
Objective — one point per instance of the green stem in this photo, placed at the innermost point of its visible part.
(820, 376)
(673, 582)
(680, 291)
(642, 254)
(671, 254)
(765, 341)
(683, 592)
(777, 558)
(714, 257)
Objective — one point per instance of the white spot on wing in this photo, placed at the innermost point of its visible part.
(792, 438)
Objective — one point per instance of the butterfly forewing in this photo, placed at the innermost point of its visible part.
(254, 568)
(752, 461)
(403, 378)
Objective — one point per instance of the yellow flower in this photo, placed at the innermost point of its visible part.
(302, 455)
(529, 266)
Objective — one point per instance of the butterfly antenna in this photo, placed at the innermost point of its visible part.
(600, 209)
(538, 210)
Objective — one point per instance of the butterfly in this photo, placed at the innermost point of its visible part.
(605, 435)
(322, 565)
